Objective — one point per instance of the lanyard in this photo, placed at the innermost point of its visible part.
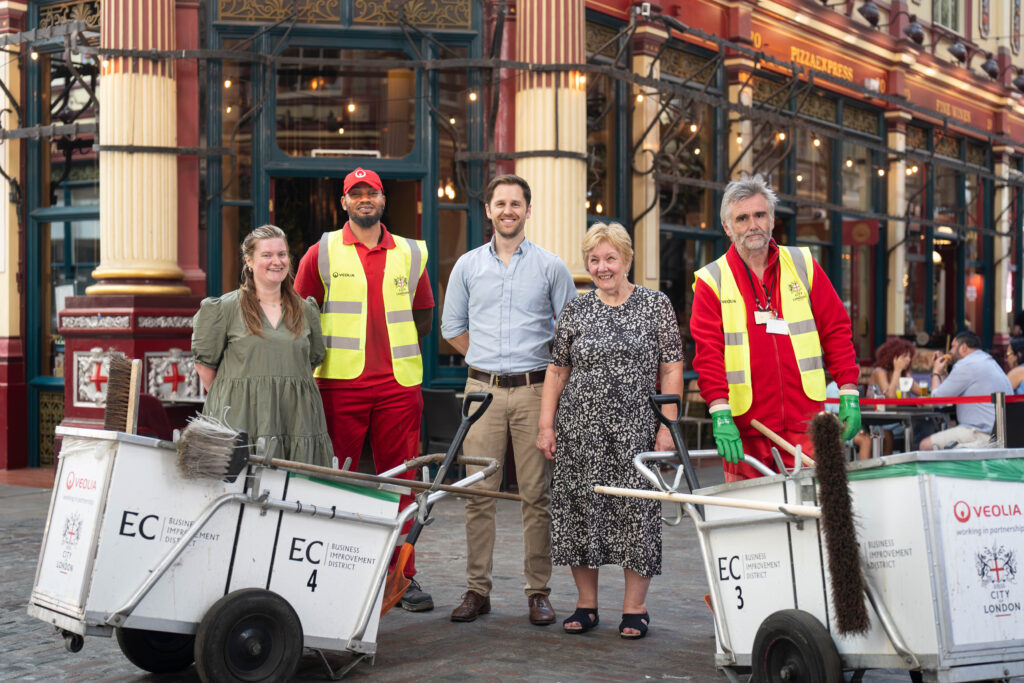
(768, 289)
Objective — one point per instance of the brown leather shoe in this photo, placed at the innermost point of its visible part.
(541, 612)
(473, 605)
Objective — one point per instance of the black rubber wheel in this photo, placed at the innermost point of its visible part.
(793, 646)
(249, 635)
(157, 651)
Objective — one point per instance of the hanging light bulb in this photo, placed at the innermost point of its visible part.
(639, 97)
(440, 191)
(799, 177)
(599, 208)
(881, 173)
(227, 83)
(449, 191)
(816, 142)
(696, 151)
(472, 95)
(693, 127)
(452, 120)
(910, 172)
(588, 204)
(914, 168)
(341, 131)
(34, 55)
(351, 107)
(227, 110)
(781, 136)
(849, 163)
(739, 139)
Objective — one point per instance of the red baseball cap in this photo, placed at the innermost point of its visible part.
(361, 175)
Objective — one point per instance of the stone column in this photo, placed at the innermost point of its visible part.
(138, 190)
(13, 391)
(647, 139)
(551, 114)
(896, 182)
(1001, 245)
(140, 305)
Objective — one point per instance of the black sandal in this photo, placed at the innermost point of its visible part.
(582, 616)
(634, 621)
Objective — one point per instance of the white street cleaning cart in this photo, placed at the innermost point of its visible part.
(240, 575)
(941, 535)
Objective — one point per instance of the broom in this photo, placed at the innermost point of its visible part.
(124, 377)
(844, 563)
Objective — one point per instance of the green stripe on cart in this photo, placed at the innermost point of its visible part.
(352, 488)
(1002, 469)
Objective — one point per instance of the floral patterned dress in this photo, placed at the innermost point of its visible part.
(603, 420)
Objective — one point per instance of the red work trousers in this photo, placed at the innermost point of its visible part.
(759, 447)
(392, 414)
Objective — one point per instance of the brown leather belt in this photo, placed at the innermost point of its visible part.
(508, 381)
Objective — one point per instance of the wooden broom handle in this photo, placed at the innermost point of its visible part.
(781, 443)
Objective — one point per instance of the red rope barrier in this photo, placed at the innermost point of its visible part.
(930, 400)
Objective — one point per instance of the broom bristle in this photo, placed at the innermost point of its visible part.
(119, 389)
(837, 522)
(205, 448)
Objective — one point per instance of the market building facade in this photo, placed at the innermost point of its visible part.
(141, 141)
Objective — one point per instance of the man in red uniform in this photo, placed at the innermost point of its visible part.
(767, 322)
(376, 304)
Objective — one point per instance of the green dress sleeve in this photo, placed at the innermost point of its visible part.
(317, 351)
(209, 333)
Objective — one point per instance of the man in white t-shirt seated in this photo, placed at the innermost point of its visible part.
(974, 373)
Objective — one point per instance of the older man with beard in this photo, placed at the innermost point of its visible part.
(376, 304)
(767, 323)
(500, 311)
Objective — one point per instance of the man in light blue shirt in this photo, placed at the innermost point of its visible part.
(499, 311)
(975, 373)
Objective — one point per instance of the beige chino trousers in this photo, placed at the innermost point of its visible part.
(514, 411)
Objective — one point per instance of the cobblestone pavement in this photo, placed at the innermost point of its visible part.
(501, 646)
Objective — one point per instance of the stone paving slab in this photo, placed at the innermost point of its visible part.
(501, 646)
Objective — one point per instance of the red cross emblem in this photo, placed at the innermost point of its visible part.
(996, 569)
(98, 378)
(173, 377)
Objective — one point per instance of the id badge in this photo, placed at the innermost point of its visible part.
(762, 317)
(777, 326)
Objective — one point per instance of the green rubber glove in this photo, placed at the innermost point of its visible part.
(727, 436)
(849, 413)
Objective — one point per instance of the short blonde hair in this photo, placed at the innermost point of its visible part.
(612, 233)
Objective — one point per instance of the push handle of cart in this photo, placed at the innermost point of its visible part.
(659, 400)
(468, 418)
(397, 582)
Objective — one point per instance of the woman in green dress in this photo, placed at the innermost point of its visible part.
(255, 349)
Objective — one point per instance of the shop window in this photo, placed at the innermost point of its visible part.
(341, 111)
(236, 128)
(452, 226)
(602, 107)
(451, 120)
(686, 129)
(917, 269)
(811, 182)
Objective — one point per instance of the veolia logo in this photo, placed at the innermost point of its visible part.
(962, 511)
(79, 482)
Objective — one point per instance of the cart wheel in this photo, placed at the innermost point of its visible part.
(249, 635)
(73, 642)
(156, 651)
(791, 645)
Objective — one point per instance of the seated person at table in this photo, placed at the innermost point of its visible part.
(974, 373)
(861, 440)
(1015, 364)
(892, 362)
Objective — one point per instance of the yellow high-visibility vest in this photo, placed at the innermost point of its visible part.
(796, 272)
(343, 314)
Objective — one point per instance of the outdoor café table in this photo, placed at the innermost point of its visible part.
(908, 415)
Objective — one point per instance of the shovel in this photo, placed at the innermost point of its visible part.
(397, 582)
